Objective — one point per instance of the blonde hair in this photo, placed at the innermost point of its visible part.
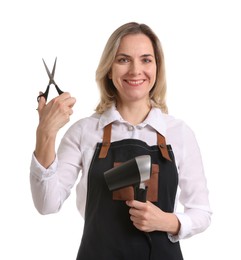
(108, 92)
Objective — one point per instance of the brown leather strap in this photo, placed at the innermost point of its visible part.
(161, 142)
(106, 141)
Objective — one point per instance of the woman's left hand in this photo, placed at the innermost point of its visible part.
(148, 217)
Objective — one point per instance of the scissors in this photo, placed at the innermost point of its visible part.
(51, 81)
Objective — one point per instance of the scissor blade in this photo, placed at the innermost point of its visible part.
(53, 70)
(49, 74)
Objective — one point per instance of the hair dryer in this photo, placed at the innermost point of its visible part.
(131, 173)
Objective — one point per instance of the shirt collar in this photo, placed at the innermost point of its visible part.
(155, 119)
(109, 116)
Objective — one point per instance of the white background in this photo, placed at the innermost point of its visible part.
(202, 46)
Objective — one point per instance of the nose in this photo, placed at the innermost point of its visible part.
(135, 68)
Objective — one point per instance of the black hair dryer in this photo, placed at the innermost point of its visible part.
(131, 173)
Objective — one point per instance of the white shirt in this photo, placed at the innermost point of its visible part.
(51, 187)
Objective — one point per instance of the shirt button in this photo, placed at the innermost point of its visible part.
(130, 128)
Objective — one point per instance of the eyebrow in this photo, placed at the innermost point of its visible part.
(128, 56)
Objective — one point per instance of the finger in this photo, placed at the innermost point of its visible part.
(41, 103)
(63, 96)
(70, 102)
(71, 112)
(134, 212)
(136, 204)
(66, 99)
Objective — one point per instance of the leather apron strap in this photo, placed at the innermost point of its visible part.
(106, 141)
(161, 142)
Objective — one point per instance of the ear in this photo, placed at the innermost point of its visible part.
(109, 75)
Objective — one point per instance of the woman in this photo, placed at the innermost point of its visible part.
(130, 120)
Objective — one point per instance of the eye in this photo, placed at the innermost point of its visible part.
(146, 60)
(123, 60)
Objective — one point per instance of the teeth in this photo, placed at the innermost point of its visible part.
(135, 82)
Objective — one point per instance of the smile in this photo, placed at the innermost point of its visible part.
(135, 82)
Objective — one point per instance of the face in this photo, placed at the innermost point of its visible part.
(134, 70)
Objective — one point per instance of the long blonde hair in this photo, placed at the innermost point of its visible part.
(108, 93)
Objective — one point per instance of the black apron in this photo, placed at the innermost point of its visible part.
(108, 233)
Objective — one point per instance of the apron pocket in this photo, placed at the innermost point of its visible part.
(127, 193)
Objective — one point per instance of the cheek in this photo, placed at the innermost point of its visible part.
(119, 70)
(116, 76)
(154, 72)
(151, 73)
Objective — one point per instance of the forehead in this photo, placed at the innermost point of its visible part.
(134, 43)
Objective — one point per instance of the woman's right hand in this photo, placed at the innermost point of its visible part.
(55, 114)
(52, 116)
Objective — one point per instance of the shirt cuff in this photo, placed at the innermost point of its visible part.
(41, 173)
(185, 229)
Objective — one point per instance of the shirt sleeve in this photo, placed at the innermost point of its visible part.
(51, 187)
(41, 181)
(196, 215)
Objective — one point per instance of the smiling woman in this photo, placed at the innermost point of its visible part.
(133, 72)
(110, 56)
(131, 120)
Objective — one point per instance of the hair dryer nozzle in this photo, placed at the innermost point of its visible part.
(132, 172)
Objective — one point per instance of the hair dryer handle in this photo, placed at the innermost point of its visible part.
(140, 193)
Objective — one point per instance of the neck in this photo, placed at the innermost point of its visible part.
(134, 113)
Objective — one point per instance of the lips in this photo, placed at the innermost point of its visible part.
(135, 82)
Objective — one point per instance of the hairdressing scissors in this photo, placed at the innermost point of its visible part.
(51, 81)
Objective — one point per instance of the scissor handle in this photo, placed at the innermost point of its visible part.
(58, 89)
(45, 94)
